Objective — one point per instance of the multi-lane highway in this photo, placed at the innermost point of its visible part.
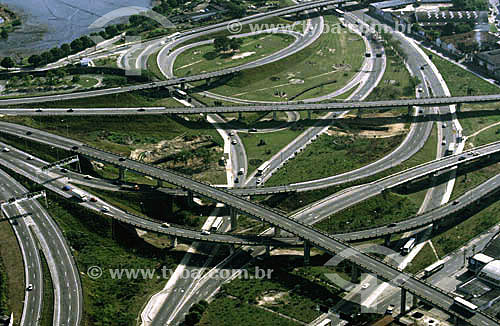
(38, 229)
(314, 237)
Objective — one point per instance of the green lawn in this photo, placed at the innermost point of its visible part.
(467, 230)
(292, 202)
(461, 82)
(472, 179)
(330, 61)
(376, 211)
(273, 143)
(423, 259)
(331, 155)
(87, 82)
(204, 58)
(152, 65)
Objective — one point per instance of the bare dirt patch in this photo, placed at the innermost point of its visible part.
(272, 298)
(375, 125)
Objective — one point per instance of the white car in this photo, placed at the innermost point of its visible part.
(259, 181)
(443, 142)
(234, 142)
(105, 209)
(6, 149)
(444, 125)
(205, 232)
(165, 225)
(29, 287)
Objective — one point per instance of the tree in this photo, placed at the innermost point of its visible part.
(66, 49)
(4, 34)
(221, 44)
(7, 62)
(35, 60)
(235, 44)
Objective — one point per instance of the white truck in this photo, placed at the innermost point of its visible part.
(450, 150)
(78, 194)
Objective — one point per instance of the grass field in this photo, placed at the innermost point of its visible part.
(273, 143)
(423, 259)
(145, 98)
(376, 211)
(204, 58)
(293, 202)
(48, 295)
(332, 60)
(331, 155)
(472, 179)
(87, 82)
(12, 288)
(467, 230)
(152, 65)
(460, 81)
(109, 301)
(293, 290)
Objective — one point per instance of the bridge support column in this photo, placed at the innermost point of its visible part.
(309, 114)
(435, 226)
(231, 249)
(121, 174)
(208, 82)
(159, 183)
(387, 240)
(355, 274)
(233, 212)
(173, 242)
(360, 113)
(410, 108)
(414, 301)
(190, 199)
(183, 86)
(268, 251)
(277, 231)
(240, 115)
(307, 252)
(459, 107)
(274, 115)
(403, 302)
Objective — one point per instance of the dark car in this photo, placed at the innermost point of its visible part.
(141, 110)
(121, 159)
(29, 133)
(69, 110)
(391, 225)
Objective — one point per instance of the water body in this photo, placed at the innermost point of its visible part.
(49, 23)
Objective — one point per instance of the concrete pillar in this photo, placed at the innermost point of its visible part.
(387, 240)
(459, 107)
(409, 109)
(209, 82)
(360, 112)
(234, 218)
(309, 114)
(403, 302)
(435, 226)
(204, 116)
(355, 274)
(190, 199)
(277, 231)
(231, 249)
(414, 301)
(307, 252)
(173, 243)
(240, 115)
(122, 174)
(274, 115)
(159, 183)
(183, 86)
(268, 250)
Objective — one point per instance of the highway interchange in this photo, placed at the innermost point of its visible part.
(299, 226)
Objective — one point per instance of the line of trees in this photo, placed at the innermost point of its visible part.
(224, 43)
(64, 50)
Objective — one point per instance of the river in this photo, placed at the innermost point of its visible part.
(49, 23)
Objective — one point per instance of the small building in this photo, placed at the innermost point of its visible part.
(85, 62)
(478, 261)
(491, 273)
(489, 61)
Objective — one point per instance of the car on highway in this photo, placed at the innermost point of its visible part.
(443, 142)
(390, 309)
(29, 158)
(29, 287)
(87, 177)
(69, 110)
(121, 159)
(234, 142)
(253, 130)
(141, 110)
(165, 225)
(420, 89)
(104, 209)
(259, 181)
(231, 133)
(63, 170)
(236, 180)
(29, 133)
(66, 188)
(444, 125)
(461, 158)
(93, 199)
(205, 232)
(455, 202)
(5, 149)
(38, 110)
(391, 225)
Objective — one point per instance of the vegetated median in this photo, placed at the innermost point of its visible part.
(326, 60)
(189, 145)
(348, 145)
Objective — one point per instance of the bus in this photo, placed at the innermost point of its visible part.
(174, 35)
(217, 224)
(408, 246)
(450, 150)
(263, 168)
(461, 302)
(208, 223)
(179, 93)
(431, 269)
(325, 322)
